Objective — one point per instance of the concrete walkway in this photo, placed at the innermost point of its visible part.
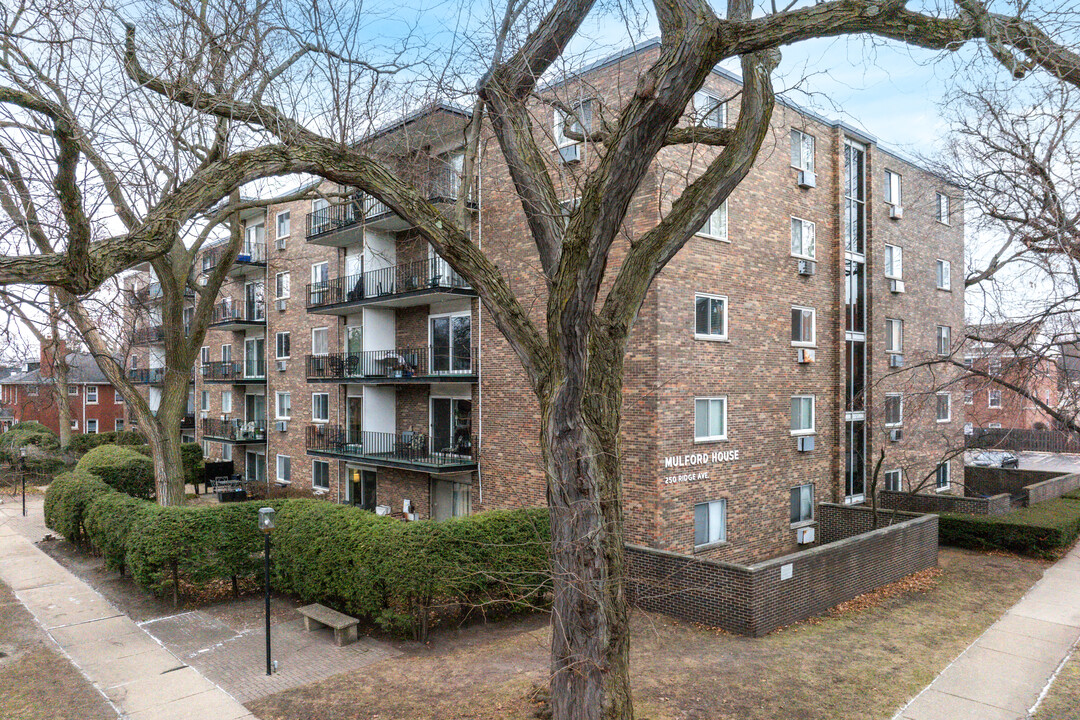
(1004, 674)
(140, 678)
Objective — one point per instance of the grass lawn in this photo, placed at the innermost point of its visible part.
(36, 682)
(864, 661)
(1063, 700)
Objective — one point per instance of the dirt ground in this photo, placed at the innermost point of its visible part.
(1063, 700)
(36, 681)
(863, 662)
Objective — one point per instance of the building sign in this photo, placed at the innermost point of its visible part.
(694, 459)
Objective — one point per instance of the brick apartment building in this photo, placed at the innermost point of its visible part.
(775, 357)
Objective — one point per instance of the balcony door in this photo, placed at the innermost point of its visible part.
(255, 467)
(449, 499)
(451, 425)
(450, 338)
(362, 486)
(320, 216)
(354, 406)
(255, 410)
(255, 357)
(254, 305)
(320, 282)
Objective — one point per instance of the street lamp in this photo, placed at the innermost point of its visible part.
(22, 467)
(266, 524)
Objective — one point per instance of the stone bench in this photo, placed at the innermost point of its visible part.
(317, 616)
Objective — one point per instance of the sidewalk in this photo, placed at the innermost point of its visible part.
(1003, 674)
(140, 678)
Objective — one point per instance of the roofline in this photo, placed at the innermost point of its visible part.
(414, 116)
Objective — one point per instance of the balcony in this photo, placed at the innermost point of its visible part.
(188, 421)
(400, 366)
(234, 431)
(407, 450)
(232, 373)
(147, 376)
(416, 283)
(152, 335)
(238, 316)
(152, 293)
(251, 258)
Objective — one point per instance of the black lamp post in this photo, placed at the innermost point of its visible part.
(22, 467)
(266, 524)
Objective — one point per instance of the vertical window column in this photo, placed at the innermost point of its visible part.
(854, 219)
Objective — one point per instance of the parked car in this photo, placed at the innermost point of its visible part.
(993, 458)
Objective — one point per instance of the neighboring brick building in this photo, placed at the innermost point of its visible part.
(30, 396)
(762, 374)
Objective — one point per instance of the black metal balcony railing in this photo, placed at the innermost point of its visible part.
(252, 253)
(152, 293)
(398, 448)
(234, 430)
(188, 421)
(431, 274)
(227, 311)
(420, 363)
(151, 334)
(151, 376)
(234, 371)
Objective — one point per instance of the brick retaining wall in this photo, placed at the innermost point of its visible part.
(1052, 488)
(756, 599)
(926, 503)
(985, 481)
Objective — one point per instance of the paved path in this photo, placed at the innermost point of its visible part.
(1003, 674)
(142, 679)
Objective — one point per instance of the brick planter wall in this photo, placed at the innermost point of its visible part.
(1052, 488)
(754, 599)
(982, 481)
(927, 503)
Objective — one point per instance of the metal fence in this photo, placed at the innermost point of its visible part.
(1015, 440)
(234, 430)
(406, 447)
(432, 273)
(419, 362)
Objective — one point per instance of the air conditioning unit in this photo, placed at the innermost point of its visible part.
(570, 153)
(807, 356)
(203, 415)
(382, 509)
(805, 443)
(805, 535)
(896, 286)
(896, 361)
(282, 425)
(281, 243)
(896, 435)
(806, 267)
(281, 364)
(896, 212)
(807, 179)
(281, 304)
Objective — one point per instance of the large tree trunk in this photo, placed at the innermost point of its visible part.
(164, 440)
(63, 404)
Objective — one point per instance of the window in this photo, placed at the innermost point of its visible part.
(320, 407)
(710, 317)
(995, 366)
(226, 452)
(710, 523)
(942, 476)
(802, 504)
(73, 389)
(893, 188)
(284, 468)
(204, 355)
(944, 275)
(802, 151)
(943, 208)
(803, 326)
(969, 397)
(994, 399)
(134, 362)
(320, 341)
(894, 409)
(994, 426)
(944, 339)
(716, 226)
(450, 341)
(91, 426)
(944, 407)
(31, 389)
(281, 285)
(226, 354)
(320, 475)
(894, 480)
(118, 425)
(226, 401)
(803, 238)
(206, 448)
(255, 357)
(283, 223)
(969, 362)
(894, 262)
(74, 424)
(91, 394)
(709, 110)
(320, 283)
(282, 345)
(284, 406)
(204, 401)
(802, 415)
(894, 335)
(710, 419)
(579, 123)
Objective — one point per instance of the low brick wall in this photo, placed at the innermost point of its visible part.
(756, 599)
(927, 503)
(1052, 488)
(985, 481)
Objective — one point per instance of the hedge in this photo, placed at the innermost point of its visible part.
(1040, 530)
(88, 441)
(123, 468)
(191, 455)
(66, 503)
(23, 434)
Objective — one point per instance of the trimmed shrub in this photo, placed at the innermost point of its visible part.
(123, 468)
(88, 441)
(108, 520)
(24, 434)
(66, 503)
(1040, 530)
(191, 455)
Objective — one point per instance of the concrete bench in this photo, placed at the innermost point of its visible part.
(317, 616)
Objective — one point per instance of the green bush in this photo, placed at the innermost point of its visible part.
(191, 455)
(1040, 530)
(23, 434)
(88, 441)
(121, 467)
(108, 520)
(66, 503)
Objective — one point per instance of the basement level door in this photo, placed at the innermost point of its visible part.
(362, 488)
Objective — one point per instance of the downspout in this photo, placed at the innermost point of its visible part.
(479, 333)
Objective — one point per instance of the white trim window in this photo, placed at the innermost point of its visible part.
(204, 355)
(570, 150)
(282, 285)
(284, 469)
(73, 389)
(320, 341)
(709, 110)
(894, 262)
(993, 399)
(91, 394)
(716, 225)
(894, 335)
(226, 452)
(803, 238)
(226, 353)
(710, 523)
(118, 425)
(944, 275)
(803, 326)
(894, 409)
(320, 281)
(994, 426)
(320, 474)
(994, 365)
(802, 504)
(283, 406)
(894, 188)
(204, 401)
(226, 401)
(944, 339)
(944, 407)
(942, 209)
(284, 224)
(92, 426)
(710, 317)
(969, 397)
(710, 419)
(802, 415)
(942, 476)
(320, 407)
(894, 480)
(802, 151)
(32, 390)
(282, 343)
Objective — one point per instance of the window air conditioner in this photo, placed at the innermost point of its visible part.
(807, 355)
(281, 243)
(896, 435)
(896, 212)
(282, 425)
(896, 361)
(281, 305)
(570, 153)
(807, 179)
(281, 365)
(382, 509)
(896, 286)
(805, 443)
(806, 267)
(804, 535)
